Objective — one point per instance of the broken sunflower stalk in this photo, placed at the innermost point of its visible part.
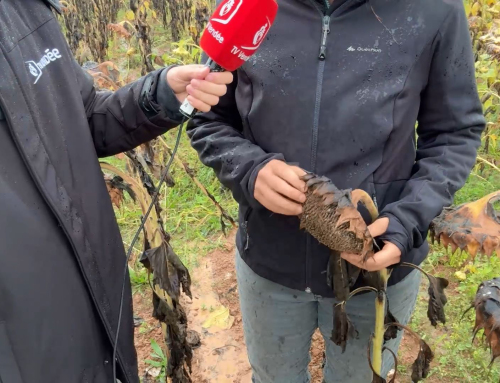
(331, 215)
(169, 275)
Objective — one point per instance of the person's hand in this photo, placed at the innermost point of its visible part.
(387, 256)
(202, 88)
(279, 188)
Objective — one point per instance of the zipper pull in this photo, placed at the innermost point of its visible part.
(326, 31)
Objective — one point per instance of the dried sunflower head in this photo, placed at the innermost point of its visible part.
(487, 307)
(331, 216)
(473, 227)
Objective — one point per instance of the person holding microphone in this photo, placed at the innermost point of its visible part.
(62, 253)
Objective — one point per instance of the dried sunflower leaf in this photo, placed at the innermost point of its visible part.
(437, 300)
(169, 274)
(353, 273)
(176, 338)
(343, 329)
(168, 271)
(116, 187)
(337, 276)
(421, 366)
(391, 332)
(373, 279)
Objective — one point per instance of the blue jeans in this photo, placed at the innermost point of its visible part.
(279, 322)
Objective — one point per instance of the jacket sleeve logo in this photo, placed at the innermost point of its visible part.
(36, 68)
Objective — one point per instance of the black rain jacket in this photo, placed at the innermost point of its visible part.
(60, 125)
(347, 110)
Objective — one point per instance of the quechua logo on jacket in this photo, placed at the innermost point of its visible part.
(35, 68)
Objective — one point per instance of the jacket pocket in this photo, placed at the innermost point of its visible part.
(9, 370)
(389, 192)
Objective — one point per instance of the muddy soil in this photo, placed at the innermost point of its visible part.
(222, 357)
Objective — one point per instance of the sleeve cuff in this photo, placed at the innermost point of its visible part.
(396, 234)
(166, 98)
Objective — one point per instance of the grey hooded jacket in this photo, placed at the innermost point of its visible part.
(347, 110)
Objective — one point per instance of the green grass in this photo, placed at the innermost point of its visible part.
(189, 216)
(456, 358)
(478, 186)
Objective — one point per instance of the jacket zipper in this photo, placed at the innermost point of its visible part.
(37, 184)
(325, 29)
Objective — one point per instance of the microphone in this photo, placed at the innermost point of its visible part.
(233, 34)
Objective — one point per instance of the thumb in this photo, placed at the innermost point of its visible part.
(188, 72)
(379, 227)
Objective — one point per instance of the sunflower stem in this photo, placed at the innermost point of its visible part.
(378, 339)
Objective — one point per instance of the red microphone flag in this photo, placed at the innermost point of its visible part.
(236, 30)
(233, 34)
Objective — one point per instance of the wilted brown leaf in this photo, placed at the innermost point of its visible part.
(421, 366)
(437, 300)
(116, 195)
(337, 276)
(104, 82)
(343, 329)
(169, 274)
(120, 30)
(158, 60)
(437, 296)
(109, 69)
(391, 332)
(116, 186)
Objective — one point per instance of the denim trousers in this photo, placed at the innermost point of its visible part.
(279, 322)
